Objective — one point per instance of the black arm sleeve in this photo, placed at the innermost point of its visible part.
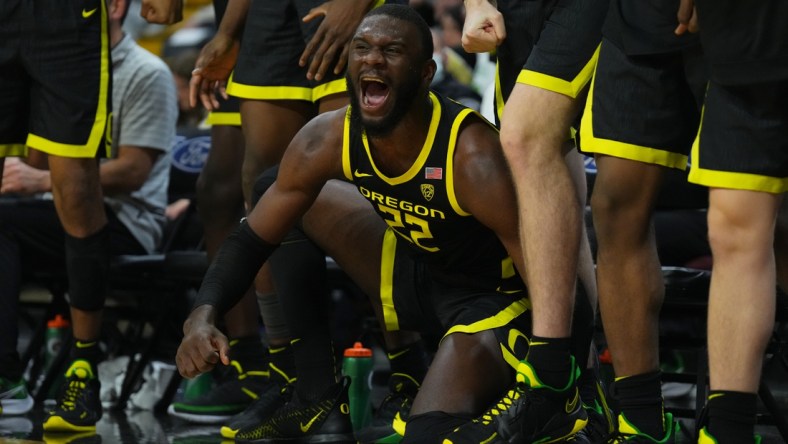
(233, 269)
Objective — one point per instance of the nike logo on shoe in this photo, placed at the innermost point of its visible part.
(571, 405)
(308, 425)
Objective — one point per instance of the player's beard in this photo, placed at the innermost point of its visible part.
(404, 96)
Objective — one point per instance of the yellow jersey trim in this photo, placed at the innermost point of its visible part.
(452, 196)
(425, 149)
(346, 147)
(569, 88)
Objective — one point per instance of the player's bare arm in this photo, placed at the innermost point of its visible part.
(483, 184)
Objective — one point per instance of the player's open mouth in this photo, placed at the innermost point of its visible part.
(374, 92)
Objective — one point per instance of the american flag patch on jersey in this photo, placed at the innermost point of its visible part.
(433, 173)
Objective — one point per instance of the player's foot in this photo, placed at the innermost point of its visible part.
(325, 420)
(262, 408)
(630, 434)
(232, 395)
(78, 406)
(14, 398)
(387, 424)
(530, 412)
(601, 422)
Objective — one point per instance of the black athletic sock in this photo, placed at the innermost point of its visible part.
(89, 351)
(282, 364)
(250, 353)
(551, 360)
(299, 272)
(640, 400)
(410, 360)
(587, 384)
(732, 416)
(315, 367)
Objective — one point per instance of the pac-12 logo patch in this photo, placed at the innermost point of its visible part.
(427, 190)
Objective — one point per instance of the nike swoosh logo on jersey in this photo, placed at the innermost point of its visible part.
(87, 14)
(358, 174)
(305, 427)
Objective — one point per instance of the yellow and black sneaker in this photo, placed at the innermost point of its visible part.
(601, 424)
(392, 413)
(704, 437)
(325, 420)
(232, 395)
(259, 410)
(531, 412)
(78, 406)
(628, 433)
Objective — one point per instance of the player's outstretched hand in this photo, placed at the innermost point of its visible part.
(330, 42)
(212, 70)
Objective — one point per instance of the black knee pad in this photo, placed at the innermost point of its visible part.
(263, 182)
(431, 427)
(87, 264)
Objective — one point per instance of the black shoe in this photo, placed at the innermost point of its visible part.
(261, 409)
(531, 412)
(627, 432)
(388, 422)
(229, 397)
(78, 406)
(601, 422)
(325, 420)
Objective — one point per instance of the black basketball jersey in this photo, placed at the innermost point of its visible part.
(421, 207)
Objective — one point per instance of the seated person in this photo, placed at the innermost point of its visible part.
(439, 249)
(135, 195)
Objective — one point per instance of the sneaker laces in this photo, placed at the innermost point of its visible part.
(73, 391)
(503, 405)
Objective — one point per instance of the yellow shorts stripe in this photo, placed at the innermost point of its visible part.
(227, 119)
(730, 179)
(102, 128)
(13, 149)
(503, 317)
(269, 92)
(388, 254)
(337, 86)
(568, 88)
(592, 144)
